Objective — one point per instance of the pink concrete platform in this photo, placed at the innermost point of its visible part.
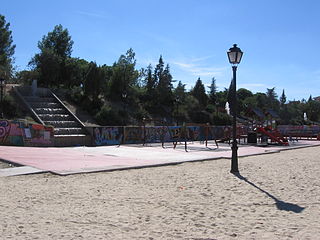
(73, 160)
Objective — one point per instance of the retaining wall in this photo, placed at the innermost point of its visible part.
(23, 133)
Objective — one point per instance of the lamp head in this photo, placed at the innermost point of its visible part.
(235, 55)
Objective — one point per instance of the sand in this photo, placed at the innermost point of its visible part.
(277, 196)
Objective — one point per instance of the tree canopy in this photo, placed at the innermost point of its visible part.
(7, 48)
(121, 94)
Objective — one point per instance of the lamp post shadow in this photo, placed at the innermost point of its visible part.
(281, 205)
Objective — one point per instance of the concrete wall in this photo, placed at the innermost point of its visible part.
(299, 131)
(23, 133)
(126, 135)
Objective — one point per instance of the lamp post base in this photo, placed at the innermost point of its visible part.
(234, 158)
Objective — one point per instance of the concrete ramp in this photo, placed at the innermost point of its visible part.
(14, 171)
(64, 161)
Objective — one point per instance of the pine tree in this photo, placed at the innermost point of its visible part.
(199, 93)
(55, 50)
(213, 92)
(283, 98)
(7, 48)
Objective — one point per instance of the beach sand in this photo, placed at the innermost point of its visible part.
(277, 196)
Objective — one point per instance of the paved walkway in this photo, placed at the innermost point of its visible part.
(71, 160)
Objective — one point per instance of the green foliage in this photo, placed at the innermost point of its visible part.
(52, 62)
(74, 72)
(213, 92)
(313, 110)
(93, 81)
(48, 64)
(199, 93)
(123, 77)
(10, 108)
(110, 116)
(283, 98)
(120, 94)
(243, 94)
(7, 48)
(59, 41)
(272, 99)
(77, 95)
(220, 119)
(26, 76)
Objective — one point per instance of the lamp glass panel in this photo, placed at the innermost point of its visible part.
(232, 57)
(239, 56)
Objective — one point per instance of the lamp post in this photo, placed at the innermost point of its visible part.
(234, 55)
(2, 83)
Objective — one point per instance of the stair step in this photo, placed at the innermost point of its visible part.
(40, 99)
(55, 117)
(69, 131)
(63, 124)
(69, 135)
(44, 105)
(50, 110)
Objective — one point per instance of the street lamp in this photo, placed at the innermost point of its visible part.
(234, 55)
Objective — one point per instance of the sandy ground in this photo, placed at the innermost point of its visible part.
(277, 196)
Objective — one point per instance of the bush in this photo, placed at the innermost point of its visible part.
(221, 119)
(76, 95)
(9, 107)
(109, 116)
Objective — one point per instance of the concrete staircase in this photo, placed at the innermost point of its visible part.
(48, 109)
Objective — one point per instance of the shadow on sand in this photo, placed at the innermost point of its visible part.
(281, 205)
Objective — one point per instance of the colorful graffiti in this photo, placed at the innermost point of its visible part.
(299, 131)
(157, 134)
(22, 133)
(108, 135)
(133, 135)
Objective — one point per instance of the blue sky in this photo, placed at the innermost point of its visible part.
(280, 38)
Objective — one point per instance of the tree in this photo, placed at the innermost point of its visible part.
(93, 83)
(242, 95)
(283, 98)
(162, 98)
(164, 88)
(272, 99)
(7, 48)
(199, 93)
(213, 92)
(313, 110)
(48, 64)
(180, 112)
(123, 78)
(55, 50)
(149, 80)
(75, 72)
(59, 41)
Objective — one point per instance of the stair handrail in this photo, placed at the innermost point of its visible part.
(35, 115)
(69, 111)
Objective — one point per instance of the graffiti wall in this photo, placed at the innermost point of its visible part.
(22, 133)
(299, 131)
(108, 135)
(158, 134)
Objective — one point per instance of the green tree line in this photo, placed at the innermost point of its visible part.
(121, 94)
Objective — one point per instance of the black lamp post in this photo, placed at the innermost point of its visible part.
(234, 55)
(2, 84)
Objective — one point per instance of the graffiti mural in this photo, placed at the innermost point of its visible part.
(158, 134)
(133, 134)
(299, 131)
(108, 135)
(22, 133)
